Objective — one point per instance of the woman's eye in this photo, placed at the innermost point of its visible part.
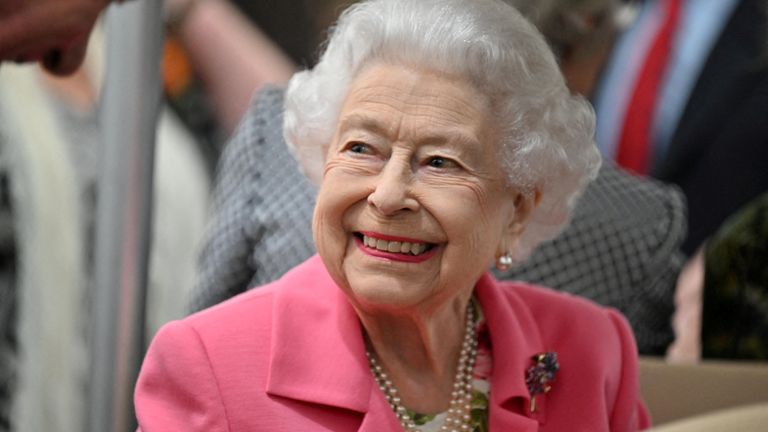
(440, 162)
(359, 148)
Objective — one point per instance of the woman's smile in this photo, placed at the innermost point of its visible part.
(394, 248)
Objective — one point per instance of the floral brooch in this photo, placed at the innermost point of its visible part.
(541, 374)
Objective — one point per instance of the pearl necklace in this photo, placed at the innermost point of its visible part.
(458, 417)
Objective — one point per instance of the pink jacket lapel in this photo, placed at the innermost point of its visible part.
(318, 355)
(515, 338)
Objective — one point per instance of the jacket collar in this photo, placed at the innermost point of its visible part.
(317, 352)
(318, 355)
(515, 338)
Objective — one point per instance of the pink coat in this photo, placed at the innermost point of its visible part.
(290, 357)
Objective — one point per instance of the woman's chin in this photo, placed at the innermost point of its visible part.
(382, 295)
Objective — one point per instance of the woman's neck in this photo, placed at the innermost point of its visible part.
(419, 351)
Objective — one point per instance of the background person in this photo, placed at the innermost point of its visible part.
(50, 151)
(682, 98)
(52, 32)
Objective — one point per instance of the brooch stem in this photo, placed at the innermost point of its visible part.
(539, 376)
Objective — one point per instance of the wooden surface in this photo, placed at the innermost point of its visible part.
(673, 392)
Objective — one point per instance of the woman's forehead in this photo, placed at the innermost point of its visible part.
(425, 79)
(383, 96)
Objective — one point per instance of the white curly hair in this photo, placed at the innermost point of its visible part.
(547, 143)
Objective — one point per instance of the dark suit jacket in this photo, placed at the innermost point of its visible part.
(719, 152)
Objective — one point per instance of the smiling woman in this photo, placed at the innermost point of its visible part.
(414, 158)
(443, 139)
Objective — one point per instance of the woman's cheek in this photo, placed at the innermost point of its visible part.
(328, 220)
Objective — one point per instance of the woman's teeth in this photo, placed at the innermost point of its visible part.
(395, 246)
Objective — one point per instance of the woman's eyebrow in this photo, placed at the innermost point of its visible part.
(451, 136)
(426, 135)
(364, 122)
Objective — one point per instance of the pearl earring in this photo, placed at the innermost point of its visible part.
(504, 262)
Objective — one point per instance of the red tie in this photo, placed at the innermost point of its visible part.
(635, 144)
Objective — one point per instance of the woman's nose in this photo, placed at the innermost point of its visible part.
(392, 192)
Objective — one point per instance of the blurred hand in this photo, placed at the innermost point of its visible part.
(53, 32)
(686, 320)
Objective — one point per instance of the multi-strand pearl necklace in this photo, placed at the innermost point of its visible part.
(458, 417)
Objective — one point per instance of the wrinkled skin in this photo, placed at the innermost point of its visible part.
(415, 156)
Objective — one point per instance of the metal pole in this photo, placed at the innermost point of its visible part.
(130, 108)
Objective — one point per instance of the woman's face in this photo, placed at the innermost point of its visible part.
(414, 204)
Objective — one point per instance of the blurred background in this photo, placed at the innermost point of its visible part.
(690, 75)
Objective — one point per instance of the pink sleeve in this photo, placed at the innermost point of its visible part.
(177, 389)
(629, 413)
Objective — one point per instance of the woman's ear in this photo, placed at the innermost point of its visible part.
(525, 202)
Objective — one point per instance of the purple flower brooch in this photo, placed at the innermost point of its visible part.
(541, 374)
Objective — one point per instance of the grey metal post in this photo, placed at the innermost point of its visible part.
(130, 108)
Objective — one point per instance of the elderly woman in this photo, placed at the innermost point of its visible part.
(444, 139)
